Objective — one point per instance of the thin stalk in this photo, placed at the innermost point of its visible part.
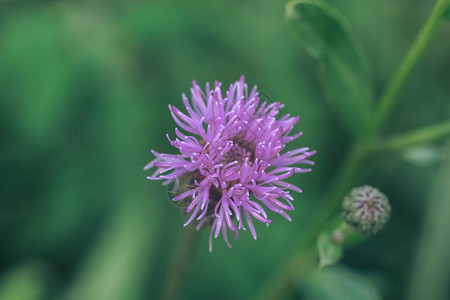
(423, 39)
(282, 279)
(180, 263)
(416, 137)
(353, 167)
(356, 162)
(430, 270)
(281, 284)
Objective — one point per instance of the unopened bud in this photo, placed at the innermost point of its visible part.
(366, 209)
(337, 237)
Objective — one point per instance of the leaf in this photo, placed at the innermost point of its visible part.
(115, 267)
(339, 283)
(325, 35)
(36, 84)
(25, 282)
(431, 274)
(446, 14)
(329, 251)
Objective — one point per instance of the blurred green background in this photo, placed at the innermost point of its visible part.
(84, 90)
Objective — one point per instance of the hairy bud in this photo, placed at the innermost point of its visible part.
(366, 209)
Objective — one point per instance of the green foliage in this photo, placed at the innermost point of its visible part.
(26, 282)
(41, 100)
(84, 93)
(446, 14)
(338, 283)
(332, 242)
(431, 270)
(115, 267)
(329, 250)
(326, 36)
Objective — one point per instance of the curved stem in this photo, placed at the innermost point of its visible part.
(352, 169)
(305, 250)
(429, 272)
(356, 163)
(419, 136)
(281, 284)
(180, 263)
(397, 81)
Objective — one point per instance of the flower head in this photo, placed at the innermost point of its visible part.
(366, 209)
(230, 164)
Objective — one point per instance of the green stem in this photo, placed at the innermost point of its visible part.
(423, 39)
(419, 136)
(429, 271)
(357, 161)
(352, 170)
(305, 247)
(180, 263)
(280, 285)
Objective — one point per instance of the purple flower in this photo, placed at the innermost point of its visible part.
(230, 163)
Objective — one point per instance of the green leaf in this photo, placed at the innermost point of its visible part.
(339, 283)
(115, 267)
(329, 251)
(447, 14)
(37, 84)
(325, 35)
(431, 274)
(25, 282)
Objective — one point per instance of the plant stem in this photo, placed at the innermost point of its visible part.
(430, 270)
(305, 248)
(280, 285)
(423, 39)
(419, 136)
(357, 161)
(351, 171)
(180, 263)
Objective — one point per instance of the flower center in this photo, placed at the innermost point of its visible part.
(237, 153)
(241, 150)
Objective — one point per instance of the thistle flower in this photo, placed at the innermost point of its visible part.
(366, 209)
(231, 166)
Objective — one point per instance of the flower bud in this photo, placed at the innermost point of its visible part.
(366, 209)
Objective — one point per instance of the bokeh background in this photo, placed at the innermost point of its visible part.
(84, 90)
